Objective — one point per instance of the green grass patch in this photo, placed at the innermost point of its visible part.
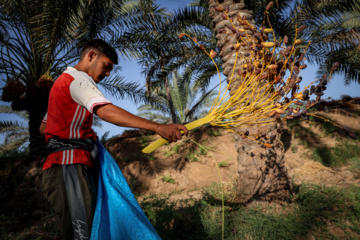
(202, 152)
(224, 163)
(313, 209)
(343, 153)
(354, 163)
(193, 155)
(174, 220)
(48, 230)
(214, 133)
(174, 149)
(292, 124)
(294, 148)
(328, 128)
(168, 179)
(213, 193)
(143, 140)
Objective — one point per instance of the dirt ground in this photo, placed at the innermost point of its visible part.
(207, 156)
(169, 171)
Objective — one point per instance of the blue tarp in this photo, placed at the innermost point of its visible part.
(118, 215)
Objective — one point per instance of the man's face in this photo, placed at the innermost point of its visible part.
(100, 68)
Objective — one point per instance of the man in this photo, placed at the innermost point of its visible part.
(70, 171)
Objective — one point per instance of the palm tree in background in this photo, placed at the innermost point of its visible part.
(334, 29)
(39, 38)
(189, 102)
(15, 133)
(163, 53)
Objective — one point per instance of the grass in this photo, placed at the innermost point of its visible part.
(135, 156)
(328, 129)
(354, 163)
(128, 158)
(48, 230)
(294, 147)
(174, 149)
(194, 155)
(223, 163)
(214, 133)
(150, 156)
(344, 152)
(143, 140)
(313, 209)
(168, 179)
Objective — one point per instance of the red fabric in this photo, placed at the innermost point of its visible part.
(66, 119)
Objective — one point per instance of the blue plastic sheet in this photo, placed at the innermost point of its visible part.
(118, 215)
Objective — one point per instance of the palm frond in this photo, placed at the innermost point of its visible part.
(8, 110)
(13, 148)
(97, 121)
(333, 27)
(11, 126)
(104, 136)
(15, 136)
(120, 89)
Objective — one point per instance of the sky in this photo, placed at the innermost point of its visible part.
(131, 72)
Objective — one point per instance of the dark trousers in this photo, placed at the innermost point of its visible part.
(72, 191)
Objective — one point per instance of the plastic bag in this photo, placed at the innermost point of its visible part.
(117, 215)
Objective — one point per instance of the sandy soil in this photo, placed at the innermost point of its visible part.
(150, 174)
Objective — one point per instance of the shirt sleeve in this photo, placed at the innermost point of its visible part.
(84, 92)
(44, 120)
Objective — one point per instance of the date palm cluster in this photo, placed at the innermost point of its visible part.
(269, 91)
(15, 92)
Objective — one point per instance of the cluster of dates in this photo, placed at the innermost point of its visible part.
(268, 59)
(15, 92)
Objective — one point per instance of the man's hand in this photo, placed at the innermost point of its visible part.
(171, 132)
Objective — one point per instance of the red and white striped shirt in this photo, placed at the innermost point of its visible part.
(70, 114)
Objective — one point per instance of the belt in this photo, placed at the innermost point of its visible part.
(56, 144)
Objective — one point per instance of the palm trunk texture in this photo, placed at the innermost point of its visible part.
(37, 106)
(261, 171)
(170, 101)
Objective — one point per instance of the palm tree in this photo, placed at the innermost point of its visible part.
(334, 28)
(188, 102)
(16, 135)
(163, 53)
(262, 174)
(41, 37)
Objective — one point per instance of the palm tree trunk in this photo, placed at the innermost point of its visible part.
(170, 101)
(262, 174)
(37, 107)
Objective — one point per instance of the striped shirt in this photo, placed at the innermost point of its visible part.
(70, 114)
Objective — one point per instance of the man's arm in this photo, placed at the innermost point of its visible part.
(42, 128)
(43, 125)
(121, 117)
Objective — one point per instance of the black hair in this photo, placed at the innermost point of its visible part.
(103, 47)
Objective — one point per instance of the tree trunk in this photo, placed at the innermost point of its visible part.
(170, 101)
(262, 174)
(37, 102)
